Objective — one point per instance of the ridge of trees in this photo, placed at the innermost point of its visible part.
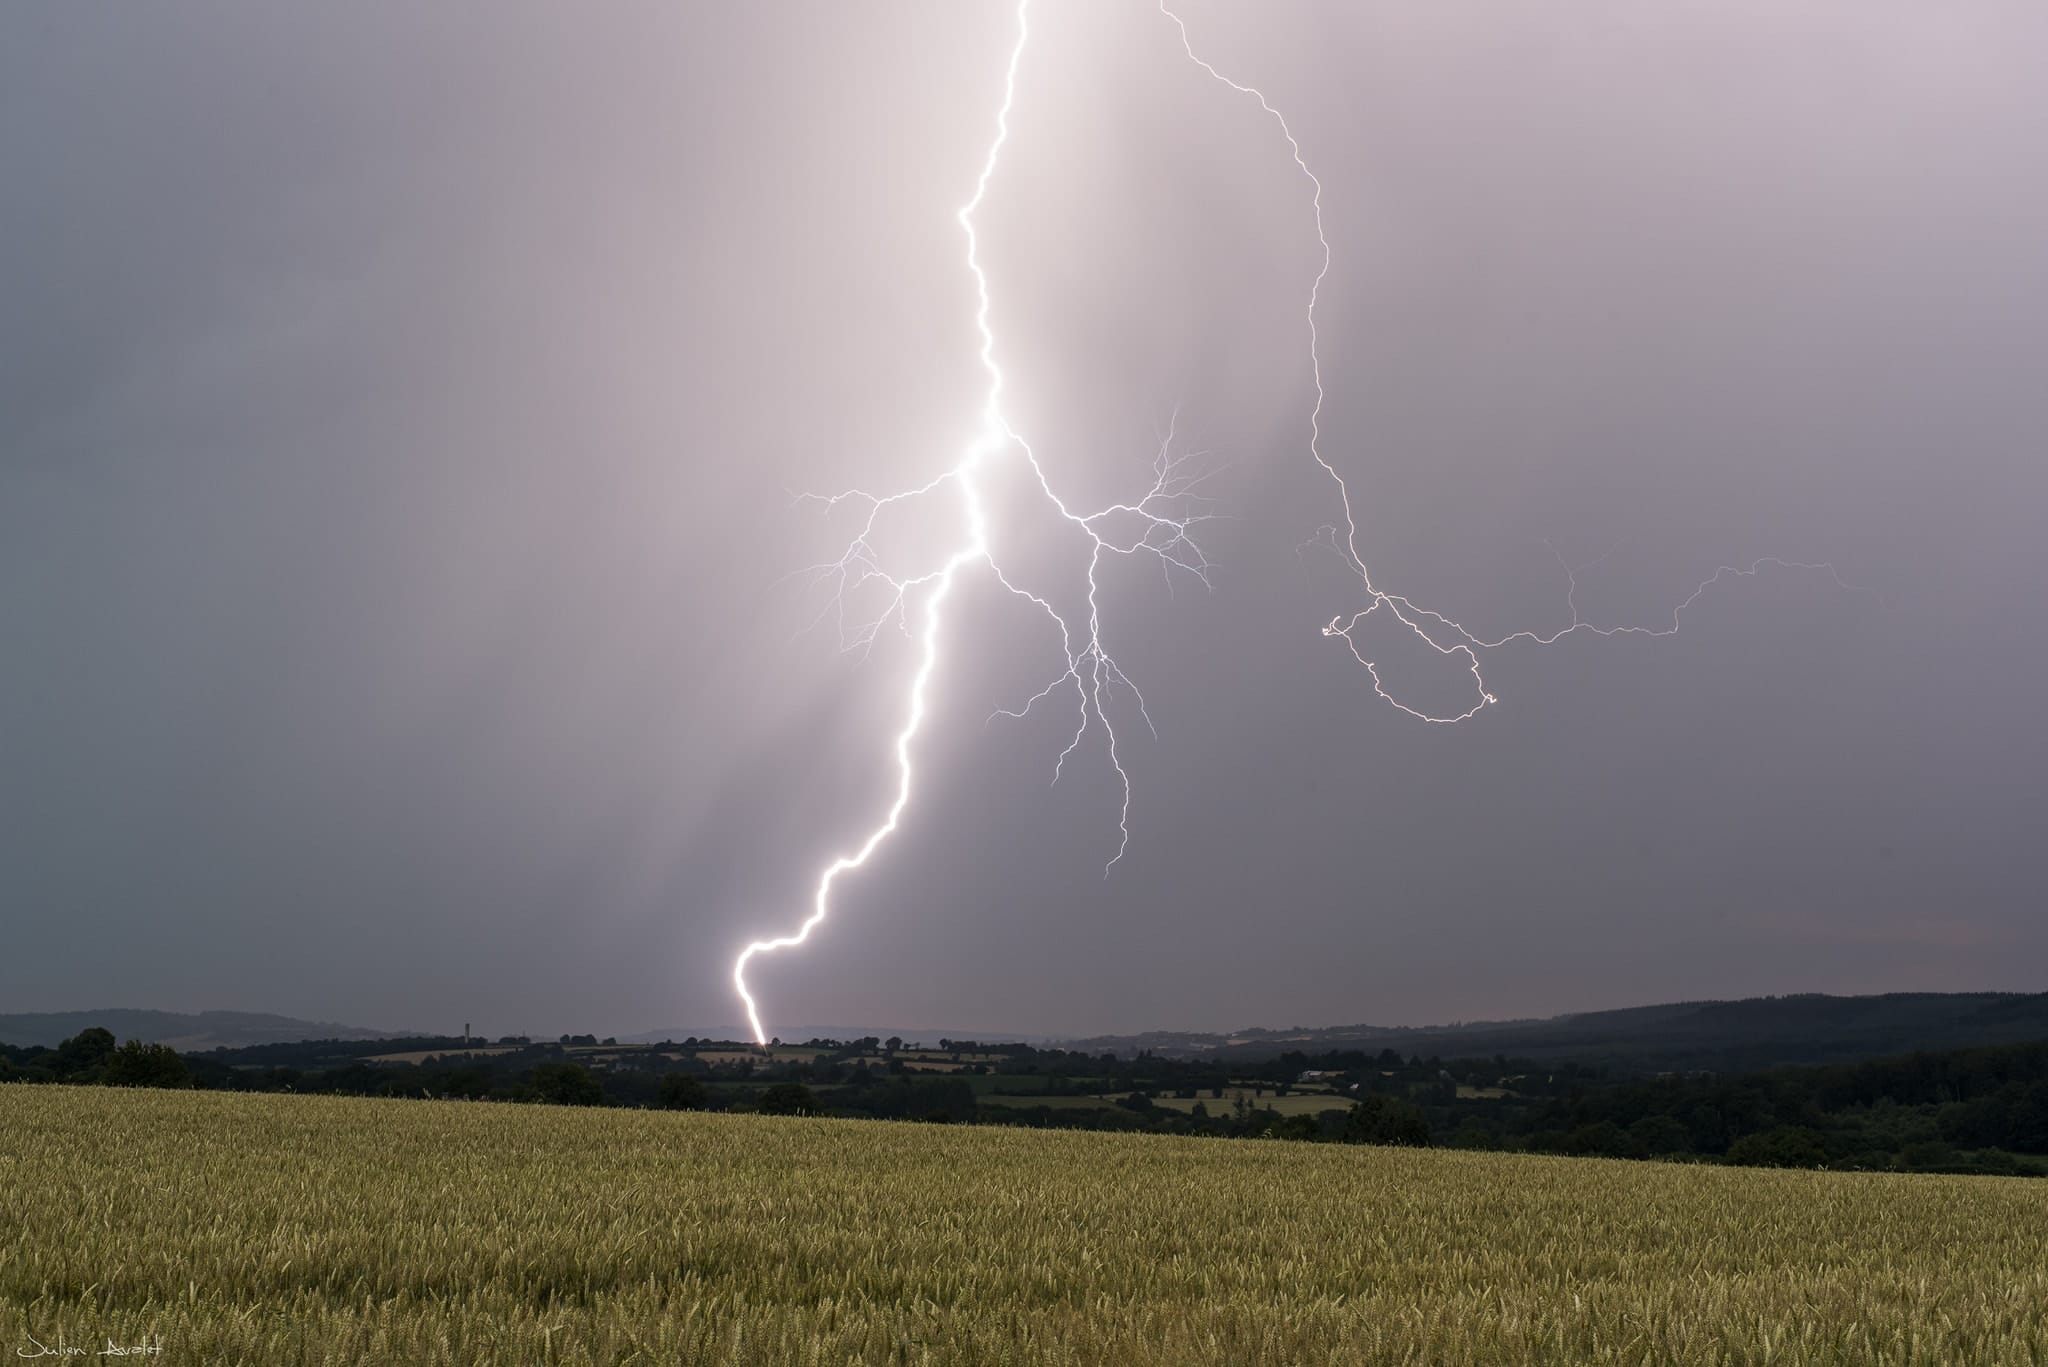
(1969, 1110)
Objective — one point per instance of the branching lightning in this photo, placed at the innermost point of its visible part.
(1440, 633)
(1160, 523)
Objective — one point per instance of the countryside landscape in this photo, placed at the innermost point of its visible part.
(1678, 1083)
(1216, 683)
(707, 1201)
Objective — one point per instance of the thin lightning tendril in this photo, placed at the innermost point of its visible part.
(1449, 637)
(1160, 523)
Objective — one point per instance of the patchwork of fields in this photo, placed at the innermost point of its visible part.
(287, 1229)
(1295, 1103)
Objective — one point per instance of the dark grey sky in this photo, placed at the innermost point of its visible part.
(397, 403)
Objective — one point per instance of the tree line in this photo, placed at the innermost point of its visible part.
(1973, 1110)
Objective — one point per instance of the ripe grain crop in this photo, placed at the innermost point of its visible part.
(279, 1229)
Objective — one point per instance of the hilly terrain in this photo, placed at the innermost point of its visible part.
(183, 1031)
(1703, 1036)
(1747, 1035)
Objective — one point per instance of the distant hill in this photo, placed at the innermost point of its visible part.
(182, 1031)
(1718, 1036)
(1711, 1036)
(796, 1034)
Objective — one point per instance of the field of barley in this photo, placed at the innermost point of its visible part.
(282, 1229)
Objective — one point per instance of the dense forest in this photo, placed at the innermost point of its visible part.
(1982, 1110)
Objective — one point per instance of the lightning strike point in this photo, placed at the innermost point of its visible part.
(1169, 512)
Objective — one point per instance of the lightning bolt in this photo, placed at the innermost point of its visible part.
(1440, 633)
(1160, 523)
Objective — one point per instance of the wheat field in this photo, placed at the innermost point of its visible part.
(220, 1228)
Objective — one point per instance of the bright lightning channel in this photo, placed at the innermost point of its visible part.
(1160, 523)
(1164, 517)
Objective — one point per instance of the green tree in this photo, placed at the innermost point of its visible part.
(1604, 1139)
(681, 1092)
(1658, 1134)
(566, 1084)
(1298, 1127)
(136, 1064)
(80, 1057)
(786, 1098)
(1787, 1146)
(1386, 1120)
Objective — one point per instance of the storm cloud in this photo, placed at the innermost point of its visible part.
(400, 408)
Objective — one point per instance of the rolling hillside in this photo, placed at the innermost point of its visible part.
(180, 1030)
(1716, 1036)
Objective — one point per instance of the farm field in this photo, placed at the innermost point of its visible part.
(780, 1054)
(421, 1055)
(1301, 1102)
(1056, 1103)
(235, 1228)
(1298, 1102)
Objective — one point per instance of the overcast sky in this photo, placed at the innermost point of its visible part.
(399, 406)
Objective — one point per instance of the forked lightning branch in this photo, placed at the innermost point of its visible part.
(1158, 522)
